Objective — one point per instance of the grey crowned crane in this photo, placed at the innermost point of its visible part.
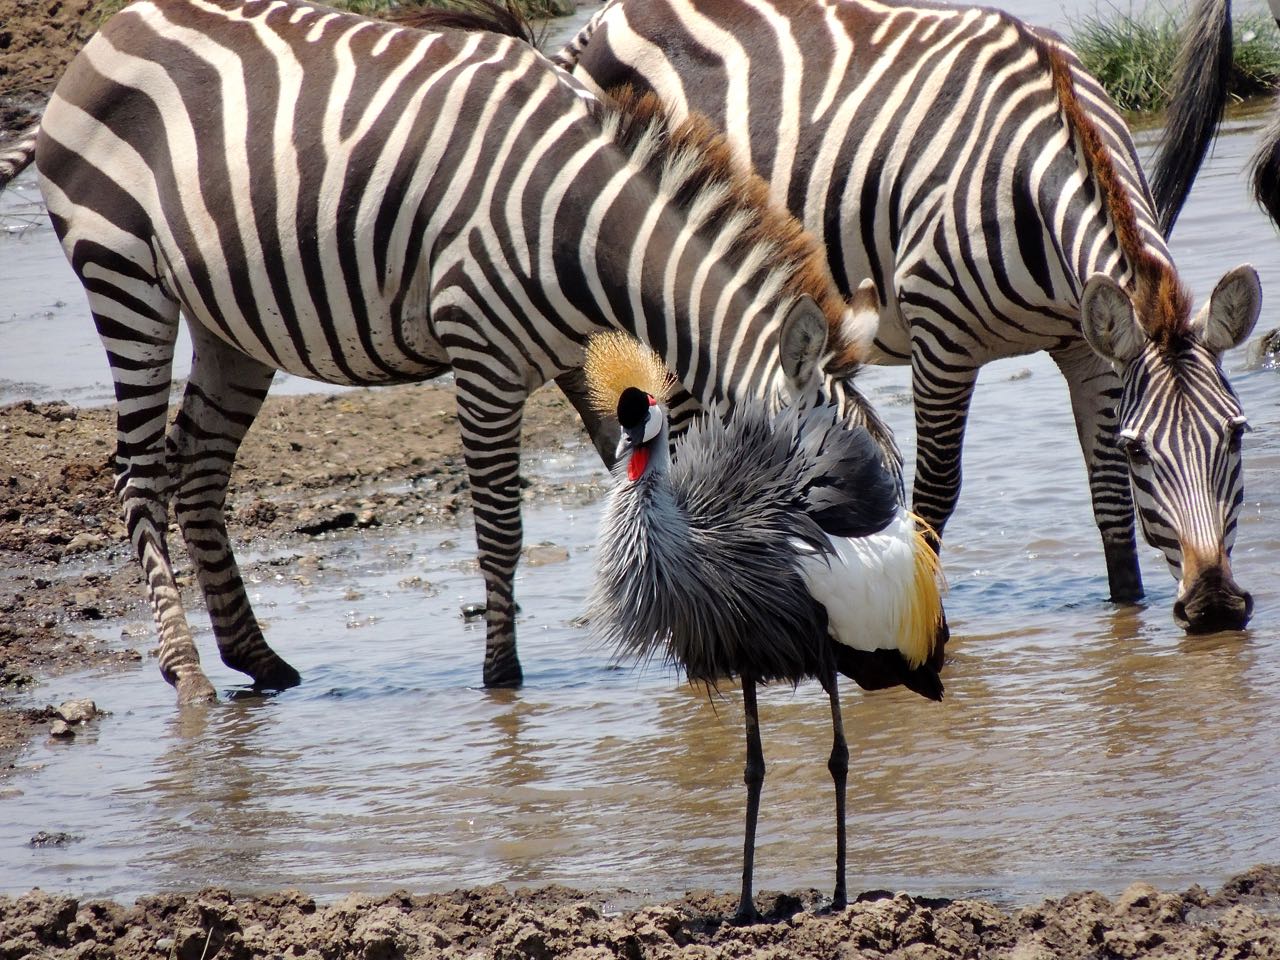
(772, 547)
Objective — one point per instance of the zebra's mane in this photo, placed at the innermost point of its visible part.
(695, 167)
(1161, 302)
(489, 15)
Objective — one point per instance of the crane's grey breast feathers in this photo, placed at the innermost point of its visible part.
(701, 565)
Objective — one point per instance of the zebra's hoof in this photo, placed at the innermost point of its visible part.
(505, 675)
(276, 675)
(195, 688)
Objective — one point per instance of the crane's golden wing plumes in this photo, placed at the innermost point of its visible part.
(919, 625)
(617, 360)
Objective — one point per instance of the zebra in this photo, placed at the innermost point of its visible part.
(361, 202)
(967, 165)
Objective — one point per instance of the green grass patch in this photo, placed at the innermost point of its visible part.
(1133, 56)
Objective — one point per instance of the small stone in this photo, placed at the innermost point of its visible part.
(472, 611)
(78, 711)
(60, 729)
(165, 944)
(82, 542)
(45, 838)
(542, 554)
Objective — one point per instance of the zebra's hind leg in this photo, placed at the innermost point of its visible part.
(221, 400)
(489, 417)
(1095, 397)
(138, 325)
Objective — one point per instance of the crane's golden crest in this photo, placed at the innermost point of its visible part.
(617, 360)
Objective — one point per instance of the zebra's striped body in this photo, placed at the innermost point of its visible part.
(970, 167)
(363, 203)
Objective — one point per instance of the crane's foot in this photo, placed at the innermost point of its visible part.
(746, 916)
(839, 901)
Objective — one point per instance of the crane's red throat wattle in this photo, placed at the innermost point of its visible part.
(639, 460)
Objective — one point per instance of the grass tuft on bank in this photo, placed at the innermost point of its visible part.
(1133, 56)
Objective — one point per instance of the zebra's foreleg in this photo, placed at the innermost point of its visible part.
(221, 400)
(1095, 396)
(941, 391)
(489, 418)
(603, 432)
(140, 351)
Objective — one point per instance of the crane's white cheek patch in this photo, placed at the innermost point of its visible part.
(653, 425)
(872, 590)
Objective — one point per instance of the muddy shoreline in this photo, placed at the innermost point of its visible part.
(1237, 921)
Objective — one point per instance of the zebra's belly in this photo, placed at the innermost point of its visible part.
(347, 349)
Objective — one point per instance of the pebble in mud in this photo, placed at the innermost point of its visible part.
(78, 711)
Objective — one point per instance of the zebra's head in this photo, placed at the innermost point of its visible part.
(815, 373)
(1180, 428)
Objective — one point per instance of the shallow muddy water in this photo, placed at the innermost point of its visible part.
(1080, 744)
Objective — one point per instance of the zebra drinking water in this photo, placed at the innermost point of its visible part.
(968, 165)
(365, 203)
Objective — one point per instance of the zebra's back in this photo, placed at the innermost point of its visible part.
(922, 143)
(296, 178)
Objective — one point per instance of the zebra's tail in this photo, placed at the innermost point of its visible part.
(1201, 74)
(1266, 168)
(17, 156)
(567, 57)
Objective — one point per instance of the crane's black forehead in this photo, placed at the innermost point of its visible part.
(633, 407)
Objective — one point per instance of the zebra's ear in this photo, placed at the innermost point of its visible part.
(1228, 318)
(802, 343)
(861, 323)
(1108, 321)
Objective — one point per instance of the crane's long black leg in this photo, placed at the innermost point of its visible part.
(753, 777)
(838, 764)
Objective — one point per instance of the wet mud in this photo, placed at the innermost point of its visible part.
(1236, 921)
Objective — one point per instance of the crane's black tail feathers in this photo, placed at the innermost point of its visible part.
(880, 669)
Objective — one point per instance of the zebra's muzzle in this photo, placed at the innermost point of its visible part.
(1214, 602)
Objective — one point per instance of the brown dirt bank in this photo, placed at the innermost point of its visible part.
(38, 38)
(1236, 922)
(311, 466)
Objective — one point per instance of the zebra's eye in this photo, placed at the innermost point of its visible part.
(1237, 427)
(1134, 449)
